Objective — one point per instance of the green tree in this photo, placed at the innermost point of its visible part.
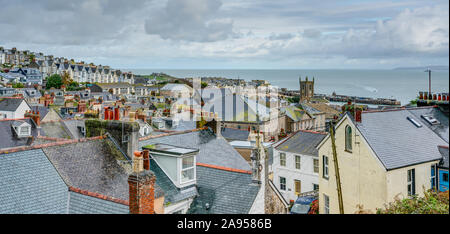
(431, 203)
(18, 85)
(54, 81)
(204, 85)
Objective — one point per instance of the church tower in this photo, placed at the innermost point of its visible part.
(306, 90)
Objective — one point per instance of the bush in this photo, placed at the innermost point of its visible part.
(54, 81)
(431, 203)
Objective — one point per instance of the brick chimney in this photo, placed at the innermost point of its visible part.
(141, 187)
(35, 116)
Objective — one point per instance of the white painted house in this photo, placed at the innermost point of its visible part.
(295, 164)
(13, 108)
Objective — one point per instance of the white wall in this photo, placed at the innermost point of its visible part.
(305, 174)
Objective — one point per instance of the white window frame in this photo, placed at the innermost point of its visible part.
(433, 177)
(411, 182)
(326, 204)
(283, 159)
(314, 165)
(21, 133)
(187, 169)
(299, 163)
(281, 184)
(325, 173)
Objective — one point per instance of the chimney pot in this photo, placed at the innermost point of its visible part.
(146, 155)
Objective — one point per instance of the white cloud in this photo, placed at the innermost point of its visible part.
(190, 20)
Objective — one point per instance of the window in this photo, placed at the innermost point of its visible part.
(445, 177)
(282, 159)
(411, 182)
(297, 187)
(282, 183)
(187, 169)
(315, 187)
(316, 165)
(325, 167)
(24, 131)
(433, 176)
(348, 138)
(326, 203)
(297, 162)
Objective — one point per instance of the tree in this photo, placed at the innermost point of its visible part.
(431, 203)
(204, 85)
(54, 81)
(18, 85)
(66, 80)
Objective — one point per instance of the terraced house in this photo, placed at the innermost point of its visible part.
(381, 155)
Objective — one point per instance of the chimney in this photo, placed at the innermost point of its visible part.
(141, 187)
(358, 116)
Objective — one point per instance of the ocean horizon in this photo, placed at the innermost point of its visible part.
(403, 85)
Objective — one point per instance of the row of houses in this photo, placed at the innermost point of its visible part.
(381, 156)
(49, 65)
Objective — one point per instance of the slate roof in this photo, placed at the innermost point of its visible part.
(92, 166)
(226, 192)
(172, 194)
(55, 129)
(8, 137)
(396, 141)
(10, 104)
(440, 129)
(302, 142)
(29, 184)
(329, 111)
(82, 204)
(294, 113)
(444, 152)
(208, 146)
(235, 134)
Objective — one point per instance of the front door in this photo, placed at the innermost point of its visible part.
(443, 180)
(298, 187)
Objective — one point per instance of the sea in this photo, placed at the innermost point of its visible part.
(403, 85)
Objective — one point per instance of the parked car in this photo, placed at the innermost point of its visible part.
(302, 205)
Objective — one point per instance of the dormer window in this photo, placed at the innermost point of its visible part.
(178, 163)
(187, 170)
(22, 129)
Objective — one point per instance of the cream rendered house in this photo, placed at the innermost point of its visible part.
(386, 154)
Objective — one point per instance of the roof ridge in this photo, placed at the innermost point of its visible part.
(171, 134)
(400, 109)
(98, 195)
(46, 145)
(224, 168)
(311, 131)
(4, 120)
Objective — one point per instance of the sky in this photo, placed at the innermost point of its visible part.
(232, 34)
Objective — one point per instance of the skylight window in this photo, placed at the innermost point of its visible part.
(415, 122)
(430, 119)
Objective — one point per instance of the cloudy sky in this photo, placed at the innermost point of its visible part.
(232, 34)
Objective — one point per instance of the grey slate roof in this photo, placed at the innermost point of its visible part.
(8, 137)
(226, 192)
(444, 153)
(208, 146)
(235, 134)
(302, 142)
(82, 204)
(440, 129)
(171, 193)
(55, 129)
(10, 104)
(396, 141)
(92, 166)
(29, 184)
